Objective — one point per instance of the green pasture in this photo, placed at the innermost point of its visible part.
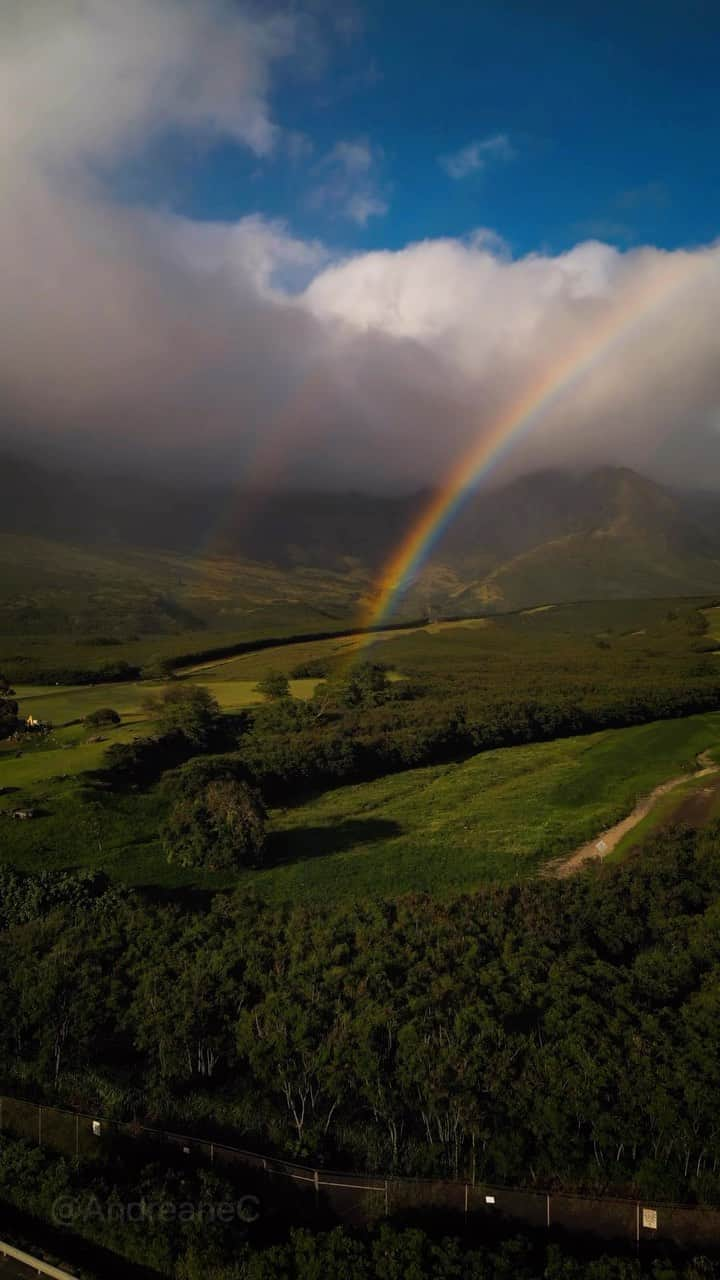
(63, 753)
(497, 817)
(66, 750)
(74, 702)
(335, 651)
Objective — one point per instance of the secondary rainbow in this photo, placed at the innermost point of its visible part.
(516, 421)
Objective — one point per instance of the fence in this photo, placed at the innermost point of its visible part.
(34, 1266)
(357, 1200)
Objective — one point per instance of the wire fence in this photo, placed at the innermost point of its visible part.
(358, 1200)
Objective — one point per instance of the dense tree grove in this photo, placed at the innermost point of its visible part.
(523, 683)
(550, 1033)
(193, 1225)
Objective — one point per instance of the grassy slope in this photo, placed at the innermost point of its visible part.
(66, 606)
(496, 817)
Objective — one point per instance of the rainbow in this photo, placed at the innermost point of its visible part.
(513, 424)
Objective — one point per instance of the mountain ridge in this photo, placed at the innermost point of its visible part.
(548, 536)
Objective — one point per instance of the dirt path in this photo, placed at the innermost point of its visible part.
(599, 848)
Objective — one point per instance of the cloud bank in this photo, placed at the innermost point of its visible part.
(239, 349)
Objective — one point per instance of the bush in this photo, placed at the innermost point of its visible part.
(26, 897)
(189, 709)
(141, 762)
(274, 685)
(191, 778)
(103, 715)
(219, 827)
(313, 669)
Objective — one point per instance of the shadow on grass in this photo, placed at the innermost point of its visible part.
(317, 842)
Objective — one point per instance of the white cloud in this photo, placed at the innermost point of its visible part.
(348, 183)
(476, 156)
(491, 328)
(85, 79)
(189, 343)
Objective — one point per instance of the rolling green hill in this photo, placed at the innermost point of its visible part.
(67, 608)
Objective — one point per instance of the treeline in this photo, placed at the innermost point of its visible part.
(26, 671)
(362, 726)
(519, 680)
(555, 1034)
(359, 744)
(193, 1225)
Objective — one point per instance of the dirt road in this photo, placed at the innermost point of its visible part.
(604, 844)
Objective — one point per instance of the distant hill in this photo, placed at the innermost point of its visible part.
(608, 534)
(131, 556)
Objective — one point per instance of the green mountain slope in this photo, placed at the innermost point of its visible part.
(84, 570)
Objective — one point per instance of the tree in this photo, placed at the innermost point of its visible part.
(274, 685)
(8, 716)
(366, 685)
(6, 691)
(189, 709)
(158, 668)
(103, 715)
(220, 826)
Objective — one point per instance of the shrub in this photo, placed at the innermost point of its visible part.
(189, 709)
(221, 826)
(274, 685)
(103, 715)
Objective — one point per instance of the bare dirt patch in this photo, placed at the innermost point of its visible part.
(697, 807)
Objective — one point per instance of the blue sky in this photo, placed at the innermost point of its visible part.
(588, 121)
(194, 192)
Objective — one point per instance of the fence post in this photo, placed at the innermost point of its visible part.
(387, 1200)
(39, 1126)
(317, 1187)
(637, 1227)
(548, 1210)
(466, 1201)
(212, 1152)
(77, 1135)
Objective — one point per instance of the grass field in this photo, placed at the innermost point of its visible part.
(72, 702)
(66, 751)
(334, 651)
(713, 617)
(496, 817)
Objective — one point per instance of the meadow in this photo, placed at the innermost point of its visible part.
(73, 702)
(498, 817)
(494, 815)
(68, 609)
